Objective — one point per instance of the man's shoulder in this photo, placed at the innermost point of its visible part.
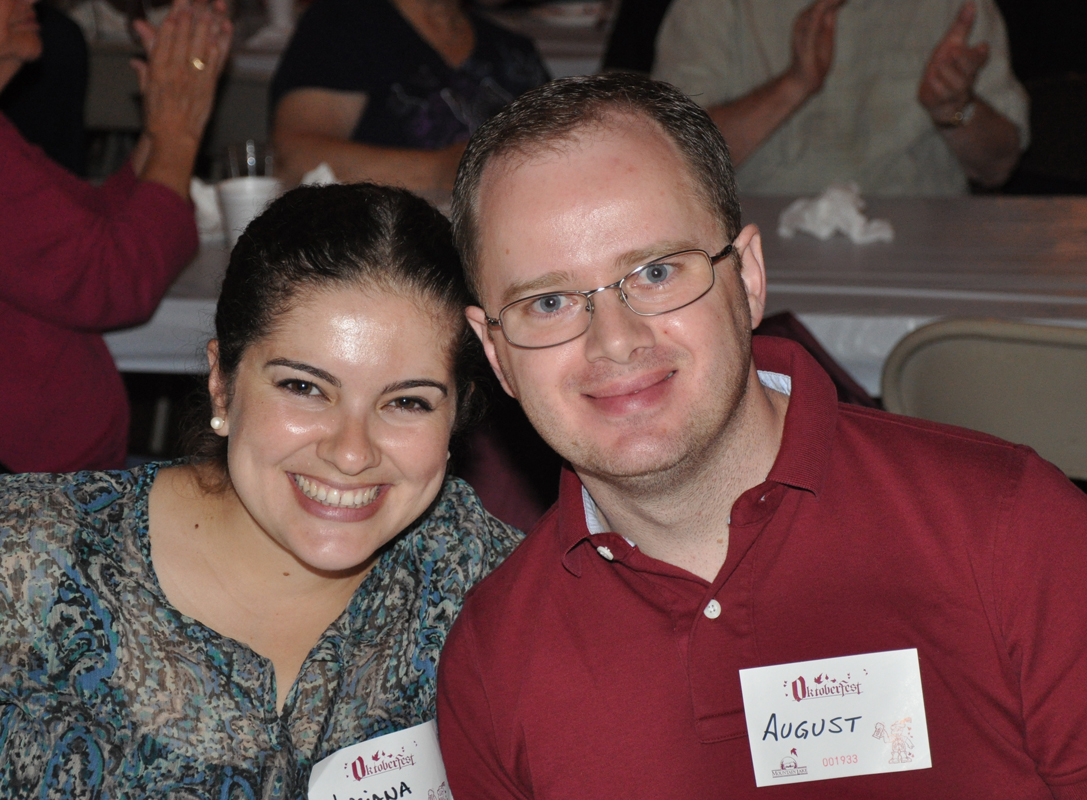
(945, 458)
(895, 429)
(521, 578)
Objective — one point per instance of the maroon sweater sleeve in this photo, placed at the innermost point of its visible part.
(81, 257)
(1040, 582)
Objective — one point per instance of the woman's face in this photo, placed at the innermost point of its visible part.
(339, 423)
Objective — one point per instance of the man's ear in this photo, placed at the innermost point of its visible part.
(217, 388)
(752, 271)
(477, 318)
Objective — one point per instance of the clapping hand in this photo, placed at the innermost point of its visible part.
(813, 44)
(185, 57)
(948, 82)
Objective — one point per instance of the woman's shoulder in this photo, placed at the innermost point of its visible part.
(459, 510)
(457, 540)
(50, 523)
(46, 500)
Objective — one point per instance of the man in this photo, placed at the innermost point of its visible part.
(722, 512)
(899, 97)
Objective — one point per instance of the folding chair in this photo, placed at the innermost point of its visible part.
(1024, 383)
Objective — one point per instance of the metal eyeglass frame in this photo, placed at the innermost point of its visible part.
(588, 295)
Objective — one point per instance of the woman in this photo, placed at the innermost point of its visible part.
(215, 627)
(390, 90)
(77, 260)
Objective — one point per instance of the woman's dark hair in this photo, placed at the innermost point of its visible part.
(375, 238)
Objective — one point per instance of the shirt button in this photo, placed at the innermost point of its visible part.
(712, 610)
(605, 552)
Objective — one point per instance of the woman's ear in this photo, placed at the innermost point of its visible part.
(217, 388)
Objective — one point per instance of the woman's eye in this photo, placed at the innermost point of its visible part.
(411, 404)
(301, 387)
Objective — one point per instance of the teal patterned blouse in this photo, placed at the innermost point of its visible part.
(107, 691)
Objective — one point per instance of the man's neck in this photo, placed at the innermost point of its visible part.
(682, 518)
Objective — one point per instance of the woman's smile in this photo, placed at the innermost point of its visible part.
(329, 496)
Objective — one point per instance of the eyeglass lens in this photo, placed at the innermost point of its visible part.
(661, 286)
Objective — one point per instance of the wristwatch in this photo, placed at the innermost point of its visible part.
(960, 118)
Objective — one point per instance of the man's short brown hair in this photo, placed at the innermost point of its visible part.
(554, 113)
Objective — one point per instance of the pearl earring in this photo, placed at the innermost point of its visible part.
(217, 423)
(448, 455)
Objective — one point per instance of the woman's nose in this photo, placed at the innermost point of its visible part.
(349, 445)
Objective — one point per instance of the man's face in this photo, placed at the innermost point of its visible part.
(634, 396)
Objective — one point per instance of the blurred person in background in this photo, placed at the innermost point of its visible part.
(45, 99)
(77, 260)
(390, 90)
(906, 98)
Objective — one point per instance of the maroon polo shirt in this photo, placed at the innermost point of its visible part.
(569, 675)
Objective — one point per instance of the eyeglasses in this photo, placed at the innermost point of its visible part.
(553, 318)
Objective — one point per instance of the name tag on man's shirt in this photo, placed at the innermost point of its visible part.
(406, 763)
(853, 715)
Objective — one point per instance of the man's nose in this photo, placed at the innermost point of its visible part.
(349, 443)
(616, 333)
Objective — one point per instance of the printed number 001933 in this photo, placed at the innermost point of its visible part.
(835, 761)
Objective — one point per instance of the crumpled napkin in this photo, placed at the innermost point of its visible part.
(838, 209)
(209, 217)
(321, 175)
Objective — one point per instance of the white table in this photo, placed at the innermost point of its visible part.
(999, 257)
(1008, 258)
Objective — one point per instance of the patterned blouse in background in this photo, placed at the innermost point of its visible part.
(107, 691)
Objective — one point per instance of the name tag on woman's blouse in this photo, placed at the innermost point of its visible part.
(854, 715)
(406, 763)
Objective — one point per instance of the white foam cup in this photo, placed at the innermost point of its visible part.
(242, 199)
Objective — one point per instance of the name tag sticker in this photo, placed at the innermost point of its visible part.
(406, 763)
(834, 717)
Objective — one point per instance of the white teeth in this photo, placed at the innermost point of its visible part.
(334, 497)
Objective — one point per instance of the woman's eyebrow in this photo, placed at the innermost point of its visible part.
(416, 383)
(316, 372)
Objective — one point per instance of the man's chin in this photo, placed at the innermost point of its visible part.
(630, 463)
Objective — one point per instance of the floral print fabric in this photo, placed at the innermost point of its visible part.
(108, 691)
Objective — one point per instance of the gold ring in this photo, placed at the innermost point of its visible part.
(198, 63)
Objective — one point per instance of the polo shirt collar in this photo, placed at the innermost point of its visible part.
(802, 460)
(812, 419)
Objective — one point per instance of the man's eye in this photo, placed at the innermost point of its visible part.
(657, 273)
(549, 304)
(301, 387)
